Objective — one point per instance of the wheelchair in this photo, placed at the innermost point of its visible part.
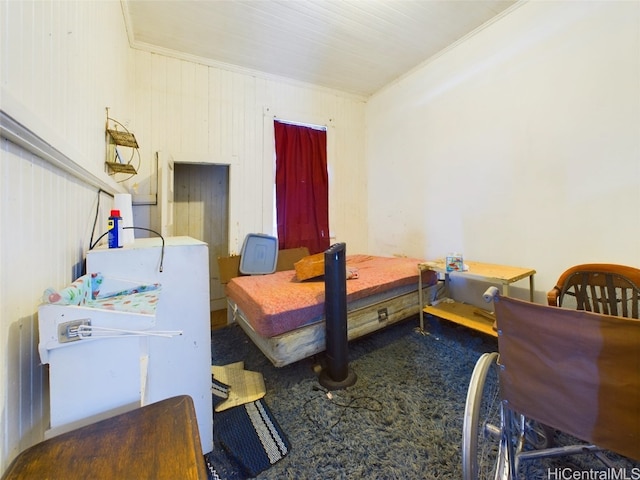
(556, 370)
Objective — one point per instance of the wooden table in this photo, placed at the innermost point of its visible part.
(158, 441)
(469, 315)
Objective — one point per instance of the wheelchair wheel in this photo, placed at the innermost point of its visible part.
(483, 455)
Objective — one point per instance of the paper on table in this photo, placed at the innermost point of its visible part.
(244, 386)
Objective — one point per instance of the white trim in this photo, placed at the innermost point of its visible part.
(167, 52)
(302, 124)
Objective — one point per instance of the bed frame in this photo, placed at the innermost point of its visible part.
(363, 317)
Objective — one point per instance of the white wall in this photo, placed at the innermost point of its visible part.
(520, 145)
(62, 64)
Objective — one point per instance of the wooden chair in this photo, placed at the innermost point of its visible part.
(600, 288)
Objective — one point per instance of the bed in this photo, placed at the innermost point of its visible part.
(284, 317)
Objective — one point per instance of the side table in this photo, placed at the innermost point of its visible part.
(465, 314)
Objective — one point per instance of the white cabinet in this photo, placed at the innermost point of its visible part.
(93, 376)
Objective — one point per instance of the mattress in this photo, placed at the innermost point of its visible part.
(278, 303)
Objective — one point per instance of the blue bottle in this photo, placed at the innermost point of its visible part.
(115, 229)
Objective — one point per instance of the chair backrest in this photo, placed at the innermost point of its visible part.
(600, 288)
(575, 371)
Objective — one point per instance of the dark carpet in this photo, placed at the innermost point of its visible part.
(401, 420)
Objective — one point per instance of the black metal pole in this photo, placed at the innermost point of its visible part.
(337, 374)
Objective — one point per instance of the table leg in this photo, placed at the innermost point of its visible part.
(420, 300)
(531, 288)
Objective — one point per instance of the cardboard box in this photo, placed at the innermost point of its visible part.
(310, 267)
(288, 257)
(229, 267)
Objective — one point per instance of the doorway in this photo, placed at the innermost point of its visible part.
(201, 211)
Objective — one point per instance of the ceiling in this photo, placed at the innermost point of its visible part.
(355, 46)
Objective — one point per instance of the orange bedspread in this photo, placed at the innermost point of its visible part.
(279, 302)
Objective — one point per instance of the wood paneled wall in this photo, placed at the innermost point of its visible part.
(203, 114)
(46, 220)
(201, 206)
(63, 62)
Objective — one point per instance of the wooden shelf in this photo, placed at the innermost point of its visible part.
(121, 167)
(463, 314)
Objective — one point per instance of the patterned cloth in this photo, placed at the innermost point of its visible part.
(85, 291)
(81, 292)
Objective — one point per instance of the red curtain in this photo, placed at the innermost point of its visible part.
(302, 187)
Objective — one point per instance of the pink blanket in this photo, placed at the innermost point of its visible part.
(277, 303)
